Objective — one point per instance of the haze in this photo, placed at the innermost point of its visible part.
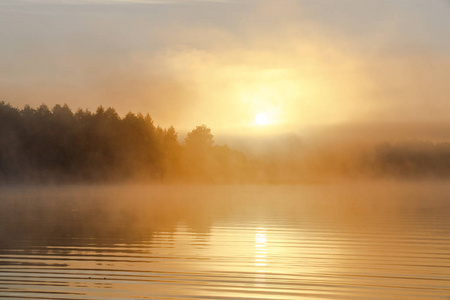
(224, 149)
(304, 64)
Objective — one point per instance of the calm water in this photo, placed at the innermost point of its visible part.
(360, 241)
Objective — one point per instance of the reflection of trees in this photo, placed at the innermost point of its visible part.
(111, 215)
(36, 220)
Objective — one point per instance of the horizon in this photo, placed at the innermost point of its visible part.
(265, 134)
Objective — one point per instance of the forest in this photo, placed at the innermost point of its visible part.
(57, 145)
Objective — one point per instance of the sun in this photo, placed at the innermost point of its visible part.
(261, 119)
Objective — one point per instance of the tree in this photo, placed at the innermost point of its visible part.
(199, 138)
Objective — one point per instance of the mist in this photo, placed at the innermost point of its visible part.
(295, 60)
(223, 149)
(43, 145)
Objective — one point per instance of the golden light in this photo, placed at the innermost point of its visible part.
(261, 119)
(260, 247)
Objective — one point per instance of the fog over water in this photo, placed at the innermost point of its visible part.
(222, 149)
(366, 240)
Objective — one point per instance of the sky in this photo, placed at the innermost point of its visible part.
(302, 64)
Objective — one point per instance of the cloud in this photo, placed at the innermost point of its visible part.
(301, 62)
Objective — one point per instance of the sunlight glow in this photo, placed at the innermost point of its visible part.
(261, 119)
(260, 248)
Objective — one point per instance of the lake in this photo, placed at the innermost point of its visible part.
(380, 240)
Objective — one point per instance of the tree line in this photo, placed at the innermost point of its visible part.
(43, 144)
(400, 160)
(59, 145)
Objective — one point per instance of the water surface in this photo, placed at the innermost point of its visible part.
(349, 241)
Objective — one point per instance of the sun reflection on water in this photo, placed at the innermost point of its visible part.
(260, 255)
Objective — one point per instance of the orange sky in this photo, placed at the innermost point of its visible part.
(220, 63)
